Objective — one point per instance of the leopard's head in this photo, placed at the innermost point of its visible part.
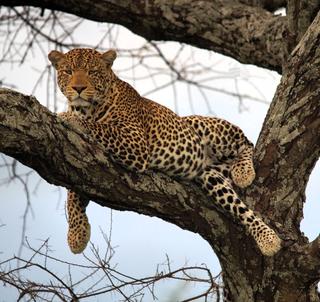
(84, 75)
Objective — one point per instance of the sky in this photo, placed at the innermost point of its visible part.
(141, 243)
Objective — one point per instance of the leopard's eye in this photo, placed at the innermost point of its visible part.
(67, 71)
(93, 72)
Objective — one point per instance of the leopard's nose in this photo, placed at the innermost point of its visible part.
(79, 89)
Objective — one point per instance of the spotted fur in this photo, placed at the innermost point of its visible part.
(141, 134)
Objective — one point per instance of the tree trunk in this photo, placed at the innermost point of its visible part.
(286, 152)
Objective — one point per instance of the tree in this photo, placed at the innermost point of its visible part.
(286, 152)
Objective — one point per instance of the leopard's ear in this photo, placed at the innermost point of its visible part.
(109, 56)
(55, 57)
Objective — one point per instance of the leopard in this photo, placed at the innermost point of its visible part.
(142, 135)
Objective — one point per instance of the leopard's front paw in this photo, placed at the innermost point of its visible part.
(74, 121)
(78, 237)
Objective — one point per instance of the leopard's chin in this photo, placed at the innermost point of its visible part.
(79, 102)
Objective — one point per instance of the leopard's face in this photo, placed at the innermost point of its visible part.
(84, 75)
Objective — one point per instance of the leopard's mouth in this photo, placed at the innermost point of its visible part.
(79, 102)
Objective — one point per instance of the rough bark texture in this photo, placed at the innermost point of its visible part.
(300, 15)
(286, 152)
(250, 34)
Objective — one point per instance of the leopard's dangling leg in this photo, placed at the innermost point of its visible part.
(114, 140)
(79, 226)
(218, 186)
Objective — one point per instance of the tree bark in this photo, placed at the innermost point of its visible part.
(248, 33)
(300, 15)
(286, 152)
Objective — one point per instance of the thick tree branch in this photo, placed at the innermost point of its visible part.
(249, 34)
(65, 157)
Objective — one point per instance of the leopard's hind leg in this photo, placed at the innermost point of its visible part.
(219, 188)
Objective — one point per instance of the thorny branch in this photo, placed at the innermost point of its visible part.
(15, 173)
(101, 277)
